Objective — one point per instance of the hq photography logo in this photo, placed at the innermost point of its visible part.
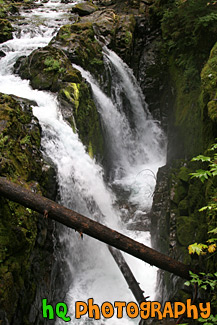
(145, 310)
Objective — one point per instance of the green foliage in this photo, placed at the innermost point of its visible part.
(187, 25)
(53, 65)
(209, 321)
(203, 280)
(206, 281)
(201, 174)
(212, 167)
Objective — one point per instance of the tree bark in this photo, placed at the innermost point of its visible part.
(92, 228)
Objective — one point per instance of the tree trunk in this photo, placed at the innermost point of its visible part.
(128, 275)
(92, 228)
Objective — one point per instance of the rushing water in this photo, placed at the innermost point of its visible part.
(135, 143)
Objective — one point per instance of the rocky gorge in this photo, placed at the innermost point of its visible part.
(171, 48)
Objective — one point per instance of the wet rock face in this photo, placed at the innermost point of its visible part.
(25, 238)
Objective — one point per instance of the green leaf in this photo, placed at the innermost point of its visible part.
(201, 158)
(214, 173)
(196, 248)
(203, 208)
(201, 174)
(213, 231)
(214, 146)
(211, 240)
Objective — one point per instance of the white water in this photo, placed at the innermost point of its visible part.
(95, 274)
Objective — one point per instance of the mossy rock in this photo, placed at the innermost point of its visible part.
(186, 229)
(183, 207)
(183, 174)
(79, 43)
(82, 114)
(209, 84)
(180, 193)
(84, 8)
(196, 197)
(5, 30)
(21, 161)
(47, 68)
(20, 137)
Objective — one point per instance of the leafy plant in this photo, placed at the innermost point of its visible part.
(204, 174)
(206, 281)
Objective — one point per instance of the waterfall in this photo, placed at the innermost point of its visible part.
(136, 149)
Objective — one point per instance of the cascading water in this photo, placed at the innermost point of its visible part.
(136, 151)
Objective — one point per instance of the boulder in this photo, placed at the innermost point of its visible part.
(84, 8)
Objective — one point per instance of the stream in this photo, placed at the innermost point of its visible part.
(121, 200)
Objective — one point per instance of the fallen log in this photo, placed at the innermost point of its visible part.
(92, 228)
(128, 275)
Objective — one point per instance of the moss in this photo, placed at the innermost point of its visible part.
(180, 193)
(88, 123)
(183, 207)
(209, 85)
(90, 150)
(81, 46)
(5, 30)
(21, 162)
(128, 37)
(48, 69)
(183, 174)
(187, 111)
(188, 34)
(80, 111)
(53, 65)
(71, 94)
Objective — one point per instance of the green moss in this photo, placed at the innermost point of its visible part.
(79, 41)
(48, 68)
(21, 162)
(183, 207)
(83, 116)
(128, 37)
(53, 65)
(5, 30)
(209, 85)
(187, 110)
(188, 34)
(90, 150)
(180, 193)
(71, 94)
(184, 174)
(88, 123)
